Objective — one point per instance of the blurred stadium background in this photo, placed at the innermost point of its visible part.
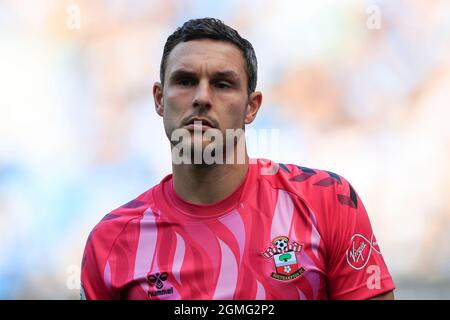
(361, 88)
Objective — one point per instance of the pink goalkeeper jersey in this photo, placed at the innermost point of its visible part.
(300, 233)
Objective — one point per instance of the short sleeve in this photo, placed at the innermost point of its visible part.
(356, 268)
(92, 283)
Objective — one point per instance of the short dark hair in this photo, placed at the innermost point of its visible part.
(211, 28)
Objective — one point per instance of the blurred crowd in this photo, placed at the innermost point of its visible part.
(360, 88)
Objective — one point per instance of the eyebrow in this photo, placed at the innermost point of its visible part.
(220, 74)
(181, 73)
(226, 74)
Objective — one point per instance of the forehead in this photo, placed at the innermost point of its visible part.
(206, 55)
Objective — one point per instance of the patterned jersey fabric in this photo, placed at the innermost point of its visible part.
(287, 232)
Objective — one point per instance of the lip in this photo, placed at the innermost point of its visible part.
(202, 127)
(204, 124)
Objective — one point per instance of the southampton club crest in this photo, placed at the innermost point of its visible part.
(284, 255)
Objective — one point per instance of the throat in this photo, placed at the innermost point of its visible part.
(208, 185)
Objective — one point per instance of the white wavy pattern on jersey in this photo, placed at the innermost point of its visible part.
(107, 276)
(146, 247)
(260, 292)
(311, 273)
(282, 218)
(301, 296)
(236, 226)
(204, 237)
(315, 236)
(178, 258)
(226, 284)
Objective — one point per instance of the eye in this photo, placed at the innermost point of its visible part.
(187, 82)
(223, 85)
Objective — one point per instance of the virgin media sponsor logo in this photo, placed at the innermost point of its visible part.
(360, 250)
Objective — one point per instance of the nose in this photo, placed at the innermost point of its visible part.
(202, 96)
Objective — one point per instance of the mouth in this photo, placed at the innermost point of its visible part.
(199, 123)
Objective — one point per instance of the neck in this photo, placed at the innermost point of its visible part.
(206, 184)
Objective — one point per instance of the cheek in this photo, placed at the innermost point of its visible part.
(236, 113)
(172, 116)
(178, 97)
(175, 108)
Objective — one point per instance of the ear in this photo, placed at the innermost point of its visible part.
(254, 102)
(158, 97)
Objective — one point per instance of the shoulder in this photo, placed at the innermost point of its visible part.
(114, 233)
(312, 185)
(111, 226)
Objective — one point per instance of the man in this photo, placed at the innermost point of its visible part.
(234, 227)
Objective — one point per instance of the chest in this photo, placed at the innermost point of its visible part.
(247, 254)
